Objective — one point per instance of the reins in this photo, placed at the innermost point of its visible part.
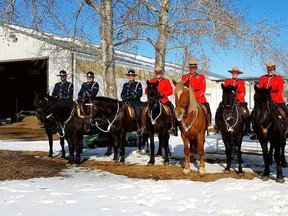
(107, 121)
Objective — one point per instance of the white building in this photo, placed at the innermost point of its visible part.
(30, 61)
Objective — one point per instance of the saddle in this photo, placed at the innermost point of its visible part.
(167, 109)
(244, 112)
(283, 116)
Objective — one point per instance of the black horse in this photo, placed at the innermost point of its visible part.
(157, 122)
(232, 125)
(269, 125)
(115, 118)
(40, 102)
(64, 117)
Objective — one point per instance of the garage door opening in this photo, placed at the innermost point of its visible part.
(19, 81)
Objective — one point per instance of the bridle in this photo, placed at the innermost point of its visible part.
(184, 107)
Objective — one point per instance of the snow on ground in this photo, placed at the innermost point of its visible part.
(92, 192)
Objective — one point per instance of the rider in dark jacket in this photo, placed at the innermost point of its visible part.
(88, 89)
(63, 90)
(132, 92)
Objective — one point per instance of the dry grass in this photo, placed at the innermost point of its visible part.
(26, 165)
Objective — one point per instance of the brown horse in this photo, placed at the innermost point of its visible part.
(192, 124)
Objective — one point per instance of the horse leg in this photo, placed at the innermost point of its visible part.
(71, 149)
(192, 145)
(78, 148)
(110, 145)
(264, 146)
(165, 139)
(239, 156)
(186, 169)
(270, 158)
(152, 150)
(283, 159)
(159, 152)
(62, 147)
(228, 152)
(50, 140)
(201, 153)
(277, 156)
(123, 143)
(115, 149)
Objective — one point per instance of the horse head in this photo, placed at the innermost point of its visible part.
(153, 94)
(228, 100)
(184, 99)
(263, 106)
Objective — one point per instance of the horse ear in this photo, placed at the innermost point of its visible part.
(157, 83)
(187, 83)
(174, 82)
(256, 87)
(222, 86)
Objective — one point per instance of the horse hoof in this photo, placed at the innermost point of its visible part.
(280, 180)
(150, 164)
(227, 171)
(202, 171)
(240, 174)
(166, 163)
(264, 178)
(186, 171)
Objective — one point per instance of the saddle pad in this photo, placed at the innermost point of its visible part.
(131, 111)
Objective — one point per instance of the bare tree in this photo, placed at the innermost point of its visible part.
(188, 26)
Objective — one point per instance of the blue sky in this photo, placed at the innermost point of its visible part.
(277, 9)
(220, 64)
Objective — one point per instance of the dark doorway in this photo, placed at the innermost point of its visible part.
(19, 80)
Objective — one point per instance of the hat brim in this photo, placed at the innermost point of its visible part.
(239, 72)
(62, 75)
(131, 74)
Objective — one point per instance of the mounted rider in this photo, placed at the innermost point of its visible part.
(132, 92)
(240, 96)
(276, 82)
(165, 89)
(63, 90)
(197, 82)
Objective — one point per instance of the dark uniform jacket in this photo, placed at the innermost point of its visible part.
(132, 91)
(63, 90)
(88, 90)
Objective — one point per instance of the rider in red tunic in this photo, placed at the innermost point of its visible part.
(276, 82)
(165, 89)
(240, 93)
(198, 84)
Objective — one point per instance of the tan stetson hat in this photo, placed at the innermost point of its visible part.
(193, 62)
(235, 69)
(159, 69)
(270, 64)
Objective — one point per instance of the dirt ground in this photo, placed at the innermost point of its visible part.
(26, 165)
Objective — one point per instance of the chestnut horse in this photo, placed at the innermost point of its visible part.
(192, 124)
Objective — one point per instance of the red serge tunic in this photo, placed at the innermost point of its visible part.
(198, 84)
(277, 84)
(241, 89)
(164, 87)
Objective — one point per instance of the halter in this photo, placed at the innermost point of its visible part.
(153, 121)
(229, 127)
(62, 127)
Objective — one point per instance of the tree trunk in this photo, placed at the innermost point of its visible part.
(107, 50)
(161, 44)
